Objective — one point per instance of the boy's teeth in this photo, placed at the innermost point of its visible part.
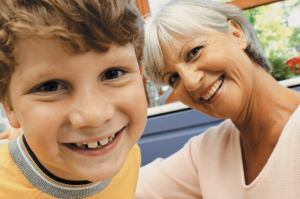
(79, 145)
(92, 145)
(97, 144)
(104, 141)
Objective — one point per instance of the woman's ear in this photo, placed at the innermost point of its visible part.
(10, 114)
(238, 34)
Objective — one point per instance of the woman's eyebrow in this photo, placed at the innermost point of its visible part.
(165, 75)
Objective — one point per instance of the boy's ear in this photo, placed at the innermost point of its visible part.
(142, 70)
(238, 34)
(10, 114)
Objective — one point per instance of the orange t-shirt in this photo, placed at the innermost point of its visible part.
(14, 184)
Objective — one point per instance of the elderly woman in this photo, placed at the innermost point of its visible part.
(210, 55)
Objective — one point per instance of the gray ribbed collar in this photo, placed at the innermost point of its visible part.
(46, 184)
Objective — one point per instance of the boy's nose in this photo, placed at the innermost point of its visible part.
(91, 111)
(191, 78)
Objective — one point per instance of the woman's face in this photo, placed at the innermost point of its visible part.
(211, 72)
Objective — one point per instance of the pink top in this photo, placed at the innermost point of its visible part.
(210, 166)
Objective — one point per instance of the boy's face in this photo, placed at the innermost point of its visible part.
(81, 114)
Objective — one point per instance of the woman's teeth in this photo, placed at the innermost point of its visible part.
(96, 144)
(213, 89)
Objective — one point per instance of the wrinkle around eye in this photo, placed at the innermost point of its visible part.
(193, 54)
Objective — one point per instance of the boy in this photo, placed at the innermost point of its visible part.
(70, 78)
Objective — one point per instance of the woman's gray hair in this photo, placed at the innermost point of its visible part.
(184, 17)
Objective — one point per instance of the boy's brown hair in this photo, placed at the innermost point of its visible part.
(80, 24)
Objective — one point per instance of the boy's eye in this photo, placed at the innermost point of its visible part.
(194, 53)
(173, 79)
(50, 87)
(112, 74)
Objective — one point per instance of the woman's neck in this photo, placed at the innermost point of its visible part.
(262, 122)
(267, 111)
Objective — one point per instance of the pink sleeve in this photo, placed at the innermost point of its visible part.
(173, 178)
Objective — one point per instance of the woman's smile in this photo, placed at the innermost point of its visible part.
(212, 90)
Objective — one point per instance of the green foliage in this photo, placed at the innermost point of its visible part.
(295, 37)
(277, 39)
(251, 15)
(280, 70)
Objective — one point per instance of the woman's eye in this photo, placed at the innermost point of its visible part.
(49, 87)
(194, 53)
(113, 74)
(173, 79)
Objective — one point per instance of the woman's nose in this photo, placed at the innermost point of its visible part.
(191, 78)
(91, 111)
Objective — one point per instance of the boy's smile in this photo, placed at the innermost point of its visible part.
(96, 146)
(81, 113)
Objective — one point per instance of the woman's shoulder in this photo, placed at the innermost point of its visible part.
(215, 141)
(221, 133)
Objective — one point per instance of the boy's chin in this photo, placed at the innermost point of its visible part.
(101, 174)
(99, 178)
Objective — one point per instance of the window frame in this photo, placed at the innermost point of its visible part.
(143, 5)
